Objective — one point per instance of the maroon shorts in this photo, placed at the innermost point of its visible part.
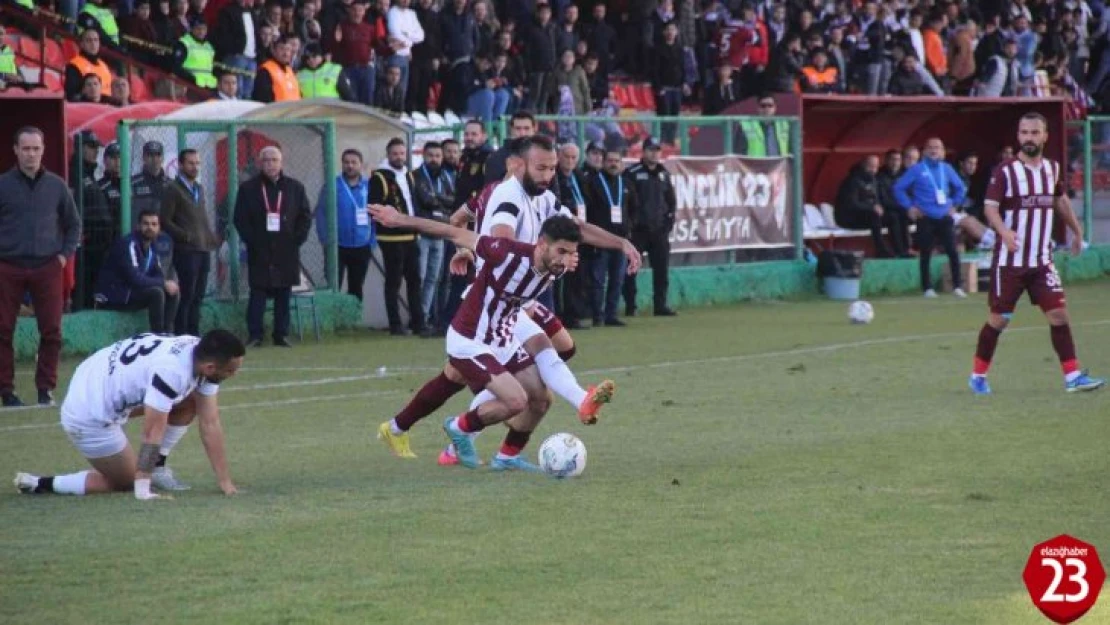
(481, 367)
(546, 319)
(1042, 283)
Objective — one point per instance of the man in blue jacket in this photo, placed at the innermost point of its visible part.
(356, 234)
(931, 190)
(132, 277)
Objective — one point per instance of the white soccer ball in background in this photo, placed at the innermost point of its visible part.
(861, 312)
(563, 455)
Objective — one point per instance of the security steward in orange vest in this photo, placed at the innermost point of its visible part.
(276, 81)
(819, 76)
(87, 61)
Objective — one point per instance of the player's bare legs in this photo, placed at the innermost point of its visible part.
(510, 399)
(427, 400)
(110, 474)
(1059, 323)
(976, 231)
(555, 373)
(523, 424)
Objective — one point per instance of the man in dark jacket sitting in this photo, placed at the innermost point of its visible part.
(132, 277)
(858, 206)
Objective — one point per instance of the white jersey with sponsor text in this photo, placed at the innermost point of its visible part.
(510, 205)
(147, 369)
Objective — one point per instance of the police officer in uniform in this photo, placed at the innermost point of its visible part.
(96, 232)
(94, 15)
(109, 183)
(319, 79)
(195, 55)
(651, 225)
(146, 192)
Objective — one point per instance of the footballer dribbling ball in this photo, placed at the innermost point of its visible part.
(563, 455)
(861, 312)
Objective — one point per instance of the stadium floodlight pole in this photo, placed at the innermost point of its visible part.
(123, 136)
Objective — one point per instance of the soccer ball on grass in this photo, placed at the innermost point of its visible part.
(861, 312)
(563, 455)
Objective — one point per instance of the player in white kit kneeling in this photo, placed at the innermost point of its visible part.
(169, 380)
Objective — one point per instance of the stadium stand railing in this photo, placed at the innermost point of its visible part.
(44, 43)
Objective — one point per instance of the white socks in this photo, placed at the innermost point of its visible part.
(173, 435)
(558, 377)
(72, 484)
(394, 428)
(481, 398)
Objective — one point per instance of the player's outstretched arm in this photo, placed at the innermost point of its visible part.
(598, 237)
(212, 437)
(461, 217)
(154, 428)
(392, 218)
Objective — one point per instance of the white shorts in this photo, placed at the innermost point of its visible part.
(95, 441)
(479, 363)
(525, 328)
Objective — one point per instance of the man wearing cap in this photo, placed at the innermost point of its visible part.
(39, 230)
(87, 61)
(319, 79)
(276, 81)
(96, 222)
(95, 16)
(109, 183)
(147, 188)
(595, 159)
(652, 221)
(148, 184)
(196, 55)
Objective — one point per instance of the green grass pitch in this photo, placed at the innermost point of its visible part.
(765, 463)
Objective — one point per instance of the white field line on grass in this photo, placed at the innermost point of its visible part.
(801, 351)
(259, 404)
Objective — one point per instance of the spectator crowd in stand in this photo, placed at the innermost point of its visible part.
(487, 58)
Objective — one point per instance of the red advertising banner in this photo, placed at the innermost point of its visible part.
(731, 202)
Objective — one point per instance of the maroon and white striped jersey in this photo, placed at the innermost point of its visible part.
(1025, 198)
(508, 279)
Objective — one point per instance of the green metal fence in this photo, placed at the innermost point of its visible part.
(1089, 156)
(228, 152)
